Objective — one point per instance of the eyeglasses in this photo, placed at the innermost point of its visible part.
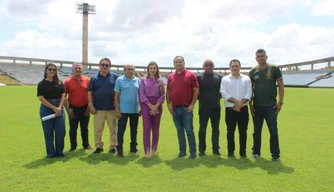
(49, 69)
(260, 56)
(104, 65)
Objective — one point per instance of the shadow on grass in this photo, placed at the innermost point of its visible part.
(94, 159)
(272, 168)
(130, 157)
(242, 163)
(182, 163)
(149, 162)
(211, 161)
(45, 162)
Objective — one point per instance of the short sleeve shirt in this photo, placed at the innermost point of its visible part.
(180, 87)
(77, 90)
(209, 90)
(264, 84)
(50, 90)
(128, 94)
(103, 91)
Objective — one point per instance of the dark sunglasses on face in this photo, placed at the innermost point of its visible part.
(49, 69)
(105, 65)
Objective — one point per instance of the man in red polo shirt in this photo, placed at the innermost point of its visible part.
(181, 95)
(76, 88)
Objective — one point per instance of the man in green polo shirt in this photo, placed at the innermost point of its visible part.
(264, 105)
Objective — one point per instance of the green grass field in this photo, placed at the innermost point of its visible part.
(306, 140)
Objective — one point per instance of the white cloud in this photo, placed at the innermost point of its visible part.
(141, 31)
(323, 8)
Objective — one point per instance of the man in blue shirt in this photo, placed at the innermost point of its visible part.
(101, 104)
(127, 107)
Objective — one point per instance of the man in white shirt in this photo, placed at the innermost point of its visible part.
(236, 89)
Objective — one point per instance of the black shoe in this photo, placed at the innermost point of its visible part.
(113, 151)
(60, 155)
(275, 159)
(230, 155)
(216, 153)
(180, 155)
(88, 148)
(120, 154)
(201, 154)
(72, 149)
(134, 151)
(193, 156)
(98, 150)
(243, 156)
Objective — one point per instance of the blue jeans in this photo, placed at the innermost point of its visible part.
(183, 120)
(266, 113)
(51, 127)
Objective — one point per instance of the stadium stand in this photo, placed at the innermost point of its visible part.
(302, 78)
(25, 74)
(7, 79)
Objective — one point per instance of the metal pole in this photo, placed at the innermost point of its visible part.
(85, 36)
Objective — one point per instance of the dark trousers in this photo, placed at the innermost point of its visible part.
(133, 130)
(267, 113)
(232, 118)
(204, 116)
(84, 121)
(54, 131)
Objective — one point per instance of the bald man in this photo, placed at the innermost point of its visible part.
(127, 107)
(209, 106)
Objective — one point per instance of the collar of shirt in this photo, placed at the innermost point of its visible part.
(77, 79)
(108, 74)
(231, 76)
(183, 72)
(127, 79)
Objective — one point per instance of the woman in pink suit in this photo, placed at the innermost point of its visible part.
(151, 95)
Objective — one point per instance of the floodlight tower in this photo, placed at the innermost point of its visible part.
(85, 9)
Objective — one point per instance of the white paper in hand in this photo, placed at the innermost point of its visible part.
(48, 117)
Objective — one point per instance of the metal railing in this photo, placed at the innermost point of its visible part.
(90, 66)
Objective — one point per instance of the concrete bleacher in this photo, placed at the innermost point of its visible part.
(87, 71)
(27, 74)
(324, 83)
(303, 78)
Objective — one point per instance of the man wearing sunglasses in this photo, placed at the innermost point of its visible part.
(102, 105)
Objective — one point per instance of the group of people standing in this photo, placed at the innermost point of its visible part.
(116, 100)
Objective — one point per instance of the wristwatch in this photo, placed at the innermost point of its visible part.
(280, 102)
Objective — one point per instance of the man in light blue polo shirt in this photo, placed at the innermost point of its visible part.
(127, 107)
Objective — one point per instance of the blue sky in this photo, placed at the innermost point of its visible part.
(127, 32)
